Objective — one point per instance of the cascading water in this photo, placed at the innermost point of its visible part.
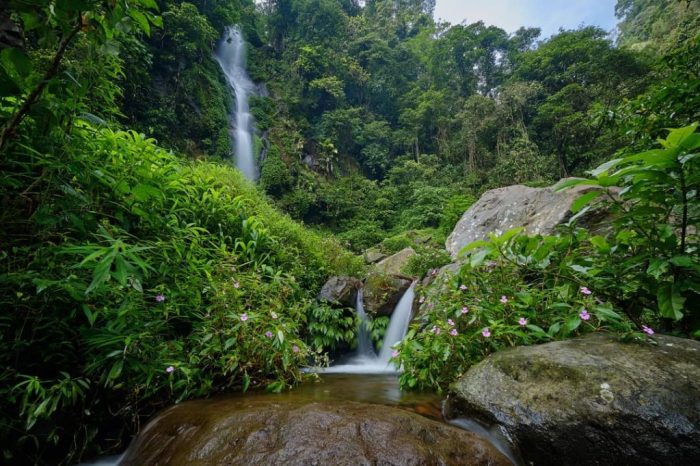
(232, 58)
(366, 361)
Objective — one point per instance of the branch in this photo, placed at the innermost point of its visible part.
(8, 130)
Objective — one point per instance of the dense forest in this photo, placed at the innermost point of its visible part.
(139, 268)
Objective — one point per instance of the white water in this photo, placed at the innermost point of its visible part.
(232, 58)
(366, 361)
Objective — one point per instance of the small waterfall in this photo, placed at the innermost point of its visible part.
(365, 360)
(398, 326)
(364, 339)
(231, 56)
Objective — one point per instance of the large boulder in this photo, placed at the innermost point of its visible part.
(383, 292)
(538, 210)
(259, 432)
(591, 400)
(340, 291)
(392, 265)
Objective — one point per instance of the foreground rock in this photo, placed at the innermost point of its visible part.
(538, 210)
(383, 292)
(591, 400)
(393, 265)
(251, 433)
(340, 291)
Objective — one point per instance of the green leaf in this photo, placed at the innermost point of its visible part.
(141, 20)
(574, 182)
(280, 335)
(670, 302)
(246, 382)
(657, 267)
(89, 314)
(601, 244)
(572, 324)
(581, 202)
(18, 60)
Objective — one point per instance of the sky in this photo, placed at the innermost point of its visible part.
(549, 15)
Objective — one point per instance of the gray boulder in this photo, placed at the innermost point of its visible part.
(392, 265)
(373, 256)
(591, 400)
(231, 431)
(538, 210)
(340, 291)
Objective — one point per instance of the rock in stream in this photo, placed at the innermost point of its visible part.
(262, 433)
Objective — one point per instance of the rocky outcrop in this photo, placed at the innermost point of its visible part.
(538, 210)
(392, 265)
(372, 256)
(258, 432)
(383, 292)
(341, 291)
(591, 400)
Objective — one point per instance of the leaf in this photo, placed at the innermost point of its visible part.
(18, 60)
(143, 192)
(600, 243)
(572, 324)
(678, 136)
(581, 202)
(477, 258)
(657, 267)
(89, 314)
(683, 261)
(604, 168)
(141, 20)
(670, 302)
(280, 335)
(246, 382)
(574, 182)
(116, 370)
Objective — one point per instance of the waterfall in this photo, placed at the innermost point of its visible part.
(365, 360)
(230, 54)
(398, 326)
(364, 339)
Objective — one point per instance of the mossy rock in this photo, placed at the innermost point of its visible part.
(590, 400)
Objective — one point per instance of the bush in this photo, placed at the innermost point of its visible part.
(152, 280)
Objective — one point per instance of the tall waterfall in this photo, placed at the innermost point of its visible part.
(365, 360)
(232, 58)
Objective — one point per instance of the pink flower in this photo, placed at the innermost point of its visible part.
(274, 315)
(244, 317)
(585, 291)
(394, 354)
(462, 287)
(434, 272)
(236, 285)
(486, 332)
(295, 348)
(268, 334)
(169, 369)
(647, 330)
(454, 332)
(435, 330)
(522, 321)
(465, 309)
(584, 315)
(451, 322)
(504, 299)
(160, 298)
(422, 299)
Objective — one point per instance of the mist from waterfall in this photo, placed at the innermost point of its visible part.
(231, 55)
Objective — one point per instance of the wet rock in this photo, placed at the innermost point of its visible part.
(591, 400)
(256, 432)
(340, 291)
(383, 292)
(392, 265)
(538, 210)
